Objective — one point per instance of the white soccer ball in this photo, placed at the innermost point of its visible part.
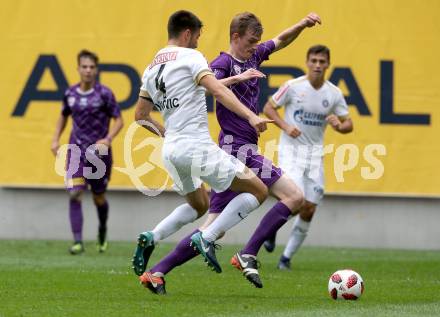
(345, 284)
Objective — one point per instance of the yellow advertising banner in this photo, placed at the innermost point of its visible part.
(383, 57)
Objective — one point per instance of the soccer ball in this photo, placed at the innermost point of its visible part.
(345, 284)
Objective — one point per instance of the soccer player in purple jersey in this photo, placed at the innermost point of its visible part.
(245, 53)
(91, 106)
(237, 138)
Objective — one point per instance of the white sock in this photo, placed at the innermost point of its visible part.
(181, 216)
(297, 236)
(237, 209)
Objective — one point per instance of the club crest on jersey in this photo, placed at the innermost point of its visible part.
(325, 103)
(96, 102)
(83, 101)
(237, 69)
(71, 101)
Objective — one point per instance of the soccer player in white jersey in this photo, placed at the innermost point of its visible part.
(310, 102)
(175, 83)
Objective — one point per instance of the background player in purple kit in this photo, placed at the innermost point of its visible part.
(237, 138)
(91, 106)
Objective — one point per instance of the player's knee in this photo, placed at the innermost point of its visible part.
(75, 195)
(295, 199)
(307, 211)
(201, 207)
(99, 199)
(261, 192)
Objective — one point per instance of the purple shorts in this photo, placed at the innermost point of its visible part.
(261, 166)
(82, 173)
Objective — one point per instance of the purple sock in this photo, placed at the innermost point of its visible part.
(102, 216)
(76, 219)
(181, 254)
(269, 225)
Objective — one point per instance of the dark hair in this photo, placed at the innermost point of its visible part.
(88, 54)
(243, 22)
(318, 49)
(180, 21)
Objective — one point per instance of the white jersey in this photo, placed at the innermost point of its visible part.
(172, 82)
(189, 154)
(307, 108)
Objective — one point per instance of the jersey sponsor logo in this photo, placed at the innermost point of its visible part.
(237, 69)
(298, 115)
(83, 102)
(71, 101)
(309, 118)
(163, 58)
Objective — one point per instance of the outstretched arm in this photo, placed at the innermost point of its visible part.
(289, 35)
(248, 74)
(230, 101)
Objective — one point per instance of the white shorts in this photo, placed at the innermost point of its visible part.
(307, 175)
(191, 162)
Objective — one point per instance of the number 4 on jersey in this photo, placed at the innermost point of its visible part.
(160, 84)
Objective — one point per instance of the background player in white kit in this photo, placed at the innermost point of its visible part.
(175, 84)
(310, 103)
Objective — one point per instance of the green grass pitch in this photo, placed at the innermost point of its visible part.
(39, 278)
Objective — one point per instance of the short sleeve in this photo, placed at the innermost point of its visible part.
(112, 105)
(264, 50)
(219, 73)
(198, 66)
(281, 97)
(143, 90)
(340, 108)
(65, 109)
(221, 66)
